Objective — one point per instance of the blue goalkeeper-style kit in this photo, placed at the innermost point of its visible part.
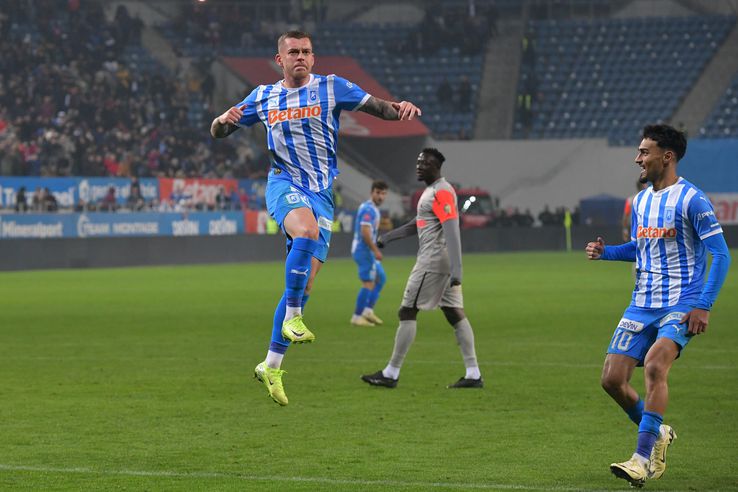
(671, 231)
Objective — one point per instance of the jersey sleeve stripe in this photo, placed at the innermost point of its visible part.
(362, 102)
(712, 233)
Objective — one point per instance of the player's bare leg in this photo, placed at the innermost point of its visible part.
(658, 362)
(615, 380)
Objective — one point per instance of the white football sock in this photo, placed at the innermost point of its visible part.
(391, 372)
(274, 360)
(465, 339)
(291, 312)
(641, 459)
(473, 373)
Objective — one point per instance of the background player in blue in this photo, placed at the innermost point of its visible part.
(367, 256)
(301, 116)
(672, 225)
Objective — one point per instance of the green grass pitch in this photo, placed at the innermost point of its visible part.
(141, 379)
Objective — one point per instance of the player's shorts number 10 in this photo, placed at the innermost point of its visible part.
(621, 340)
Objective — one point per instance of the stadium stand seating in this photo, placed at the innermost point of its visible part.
(722, 121)
(410, 63)
(79, 95)
(606, 78)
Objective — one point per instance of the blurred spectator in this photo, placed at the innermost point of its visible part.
(71, 102)
(135, 201)
(445, 94)
(109, 203)
(546, 218)
(20, 200)
(523, 219)
(243, 199)
(37, 201)
(464, 92)
(222, 199)
(49, 203)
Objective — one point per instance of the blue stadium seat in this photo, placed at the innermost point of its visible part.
(590, 71)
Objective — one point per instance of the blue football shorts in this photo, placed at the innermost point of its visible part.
(367, 265)
(283, 196)
(639, 328)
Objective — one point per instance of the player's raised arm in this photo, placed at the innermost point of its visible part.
(405, 230)
(225, 124)
(388, 110)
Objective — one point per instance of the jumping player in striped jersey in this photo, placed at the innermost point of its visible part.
(301, 116)
(673, 225)
(436, 277)
(368, 258)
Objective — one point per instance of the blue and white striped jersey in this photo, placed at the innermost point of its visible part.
(668, 227)
(366, 214)
(302, 126)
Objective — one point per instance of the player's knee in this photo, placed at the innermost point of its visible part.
(306, 230)
(453, 315)
(612, 384)
(655, 370)
(407, 313)
(381, 278)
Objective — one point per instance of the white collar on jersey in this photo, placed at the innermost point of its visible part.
(666, 190)
(281, 85)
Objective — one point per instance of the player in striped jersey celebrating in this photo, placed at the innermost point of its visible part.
(673, 224)
(301, 116)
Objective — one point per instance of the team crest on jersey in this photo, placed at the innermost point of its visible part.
(669, 215)
(313, 97)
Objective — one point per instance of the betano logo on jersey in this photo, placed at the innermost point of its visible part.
(656, 232)
(282, 115)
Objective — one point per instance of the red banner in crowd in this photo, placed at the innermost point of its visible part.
(726, 207)
(357, 124)
(195, 190)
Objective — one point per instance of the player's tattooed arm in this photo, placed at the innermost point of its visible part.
(225, 124)
(387, 110)
(218, 130)
(405, 230)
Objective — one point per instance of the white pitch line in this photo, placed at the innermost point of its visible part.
(255, 478)
(566, 365)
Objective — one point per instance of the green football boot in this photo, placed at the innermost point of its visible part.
(295, 331)
(272, 379)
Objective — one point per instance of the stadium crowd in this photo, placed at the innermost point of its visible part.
(70, 103)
